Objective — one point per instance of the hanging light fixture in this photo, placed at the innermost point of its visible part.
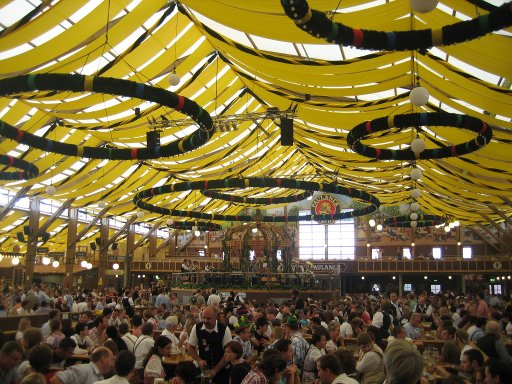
(51, 190)
(419, 96)
(170, 221)
(423, 6)
(102, 204)
(55, 264)
(15, 261)
(83, 263)
(416, 173)
(372, 223)
(115, 266)
(140, 214)
(46, 260)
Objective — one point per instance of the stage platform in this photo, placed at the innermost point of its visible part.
(262, 295)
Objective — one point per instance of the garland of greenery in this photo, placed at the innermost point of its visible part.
(363, 130)
(256, 182)
(423, 221)
(256, 200)
(317, 24)
(29, 170)
(81, 83)
(201, 225)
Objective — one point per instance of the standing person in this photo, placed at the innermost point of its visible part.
(396, 308)
(128, 303)
(299, 345)
(10, 357)
(400, 253)
(260, 334)
(102, 362)
(210, 337)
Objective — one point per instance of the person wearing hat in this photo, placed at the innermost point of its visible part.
(299, 345)
(243, 336)
(261, 340)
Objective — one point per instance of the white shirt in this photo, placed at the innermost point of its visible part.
(82, 306)
(192, 340)
(82, 373)
(78, 340)
(346, 330)
(214, 300)
(129, 340)
(114, 380)
(141, 348)
(171, 336)
(344, 379)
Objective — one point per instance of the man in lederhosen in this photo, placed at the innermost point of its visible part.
(206, 345)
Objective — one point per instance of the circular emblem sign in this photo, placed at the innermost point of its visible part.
(325, 204)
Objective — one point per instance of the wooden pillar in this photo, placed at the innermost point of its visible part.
(32, 241)
(69, 260)
(130, 244)
(103, 254)
(173, 238)
(152, 244)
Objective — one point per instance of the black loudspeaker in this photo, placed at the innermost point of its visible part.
(153, 139)
(114, 246)
(93, 245)
(286, 132)
(45, 236)
(20, 236)
(26, 230)
(98, 241)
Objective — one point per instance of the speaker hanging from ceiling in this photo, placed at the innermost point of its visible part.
(286, 131)
(92, 244)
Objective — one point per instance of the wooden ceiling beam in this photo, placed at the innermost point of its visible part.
(144, 237)
(55, 216)
(492, 222)
(508, 220)
(84, 231)
(7, 208)
(116, 235)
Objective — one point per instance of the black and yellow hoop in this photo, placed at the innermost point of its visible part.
(29, 170)
(318, 24)
(201, 225)
(80, 83)
(373, 202)
(363, 130)
(256, 200)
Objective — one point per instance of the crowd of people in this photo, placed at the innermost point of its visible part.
(128, 336)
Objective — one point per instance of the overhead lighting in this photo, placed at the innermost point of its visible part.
(379, 227)
(371, 222)
(15, 261)
(55, 264)
(83, 263)
(46, 260)
(115, 266)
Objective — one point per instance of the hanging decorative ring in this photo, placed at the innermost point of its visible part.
(317, 24)
(201, 225)
(119, 87)
(256, 182)
(423, 221)
(363, 130)
(256, 200)
(29, 170)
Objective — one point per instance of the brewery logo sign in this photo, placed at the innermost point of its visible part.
(325, 204)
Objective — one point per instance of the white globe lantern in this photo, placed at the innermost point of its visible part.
(15, 261)
(83, 264)
(416, 174)
(174, 79)
(456, 223)
(197, 233)
(372, 223)
(102, 204)
(170, 221)
(414, 224)
(418, 146)
(404, 208)
(379, 227)
(55, 264)
(115, 266)
(51, 190)
(414, 216)
(89, 266)
(451, 225)
(423, 6)
(419, 96)
(46, 260)
(140, 214)
(415, 193)
(415, 206)
(447, 228)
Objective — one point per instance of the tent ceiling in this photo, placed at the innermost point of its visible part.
(240, 56)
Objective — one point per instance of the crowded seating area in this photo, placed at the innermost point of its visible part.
(148, 336)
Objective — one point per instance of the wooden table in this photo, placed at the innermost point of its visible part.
(176, 359)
